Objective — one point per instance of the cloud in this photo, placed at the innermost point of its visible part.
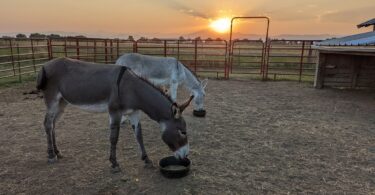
(344, 16)
(176, 5)
(293, 12)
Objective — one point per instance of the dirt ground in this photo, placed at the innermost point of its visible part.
(257, 138)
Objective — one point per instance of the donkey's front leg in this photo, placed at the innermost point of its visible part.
(136, 125)
(115, 120)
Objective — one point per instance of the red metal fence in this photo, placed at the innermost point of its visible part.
(287, 59)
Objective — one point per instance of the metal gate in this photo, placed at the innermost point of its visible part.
(270, 59)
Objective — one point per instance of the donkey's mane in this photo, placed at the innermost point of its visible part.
(193, 73)
(152, 85)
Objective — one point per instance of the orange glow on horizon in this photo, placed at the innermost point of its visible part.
(221, 25)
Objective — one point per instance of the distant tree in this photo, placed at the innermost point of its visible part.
(80, 36)
(181, 38)
(53, 36)
(218, 39)
(21, 36)
(131, 38)
(209, 39)
(143, 39)
(198, 38)
(7, 37)
(155, 39)
(37, 35)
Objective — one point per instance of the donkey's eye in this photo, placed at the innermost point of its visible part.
(183, 132)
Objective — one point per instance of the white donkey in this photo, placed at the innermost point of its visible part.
(166, 71)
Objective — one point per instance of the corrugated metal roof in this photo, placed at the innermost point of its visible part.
(354, 40)
(366, 24)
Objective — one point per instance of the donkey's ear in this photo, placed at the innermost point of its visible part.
(186, 104)
(204, 83)
(176, 111)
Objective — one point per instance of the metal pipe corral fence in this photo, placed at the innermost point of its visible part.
(268, 59)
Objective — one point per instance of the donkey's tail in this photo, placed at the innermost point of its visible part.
(42, 79)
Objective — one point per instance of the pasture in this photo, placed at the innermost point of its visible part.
(257, 137)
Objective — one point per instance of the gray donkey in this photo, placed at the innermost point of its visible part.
(94, 87)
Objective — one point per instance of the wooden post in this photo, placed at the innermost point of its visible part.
(319, 72)
(356, 69)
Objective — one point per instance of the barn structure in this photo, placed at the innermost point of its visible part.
(347, 62)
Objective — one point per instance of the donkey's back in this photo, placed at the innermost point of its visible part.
(77, 82)
(159, 70)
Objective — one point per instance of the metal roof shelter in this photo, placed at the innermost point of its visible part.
(367, 23)
(347, 62)
(367, 38)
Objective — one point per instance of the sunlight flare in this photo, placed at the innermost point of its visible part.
(221, 25)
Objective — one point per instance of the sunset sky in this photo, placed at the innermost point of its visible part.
(172, 18)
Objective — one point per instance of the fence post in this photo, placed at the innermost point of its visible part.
(111, 47)
(118, 48)
(195, 55)
(94, 50)
(11, 56)
(66, 53)
(49, 47)
(135, 47)
(178, 49)
(226, 73)
(105, 51)
(265, 59)
(261, 63)
(165, 48)
(77, 49)
(32, 54)
(19, 64)
(301, 61)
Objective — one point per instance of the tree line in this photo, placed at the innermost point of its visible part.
(41, 36)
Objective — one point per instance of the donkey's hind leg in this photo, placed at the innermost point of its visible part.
(53, 111)
(136, 125)
(62, 105)
(115, 120)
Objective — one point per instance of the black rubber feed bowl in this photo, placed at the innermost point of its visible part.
(183, 167)
(199, 113)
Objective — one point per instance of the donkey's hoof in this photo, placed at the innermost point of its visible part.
(52, 160)
(149, 163)
(59, 156)
(115, 169)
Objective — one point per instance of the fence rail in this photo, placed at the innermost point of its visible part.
(294, 59)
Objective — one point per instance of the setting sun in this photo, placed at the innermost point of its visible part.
(221, 25)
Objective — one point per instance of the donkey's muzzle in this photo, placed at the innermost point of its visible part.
(182, 152)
